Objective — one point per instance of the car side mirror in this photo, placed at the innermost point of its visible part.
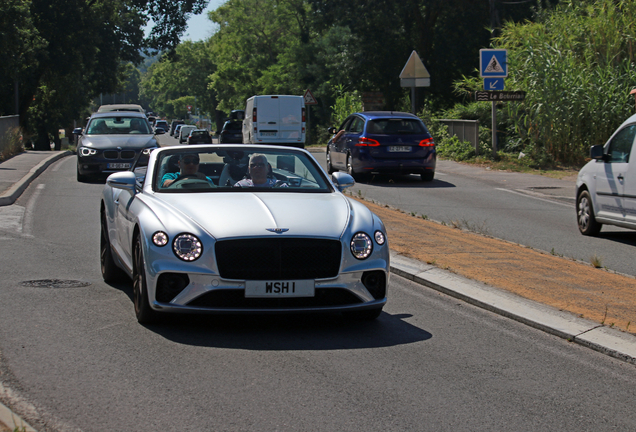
(332, 130)
(596, 152)
(125, 180)
(342, 180)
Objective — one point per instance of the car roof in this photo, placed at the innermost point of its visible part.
(118, 114)
(121, 107)
(386, 114)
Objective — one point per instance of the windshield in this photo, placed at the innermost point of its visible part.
(234, 169)
(120, 125)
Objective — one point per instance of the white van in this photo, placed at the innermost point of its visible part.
(275, 119)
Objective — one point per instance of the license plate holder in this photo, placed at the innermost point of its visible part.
(399, 149)
(118, 165)
(268, 134)
(280, 289)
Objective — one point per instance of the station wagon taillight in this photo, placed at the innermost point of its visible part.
(367, 142)
(428, 142)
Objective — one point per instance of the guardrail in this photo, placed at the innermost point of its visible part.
(465, 130)
(7, 124)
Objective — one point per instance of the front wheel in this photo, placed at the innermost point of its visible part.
(585, 215)
(145, 314)
(110, 271)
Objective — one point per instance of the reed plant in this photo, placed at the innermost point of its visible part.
(576, 65)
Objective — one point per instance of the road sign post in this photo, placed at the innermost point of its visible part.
(414, 74)
(493, 64)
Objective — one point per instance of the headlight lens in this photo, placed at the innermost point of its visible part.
(85, 151)
(187, 247)
(380, 238)
(160, 238)
(361, 246)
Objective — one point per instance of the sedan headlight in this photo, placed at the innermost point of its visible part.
(85, 151)
(187, 247)
(361, 246)
(380, 238)
(160, 238)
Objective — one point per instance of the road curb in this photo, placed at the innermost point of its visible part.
(9, 419)
(566, 325)
(14, 192)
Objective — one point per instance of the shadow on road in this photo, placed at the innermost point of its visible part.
(288, 332)
(403, 181)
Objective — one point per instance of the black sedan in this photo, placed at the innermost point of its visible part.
(199, 136)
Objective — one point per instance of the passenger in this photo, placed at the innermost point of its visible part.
(99, 128)
(188, 168)
(259, 170)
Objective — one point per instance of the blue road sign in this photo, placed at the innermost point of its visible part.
(494, 83)
(493, 63)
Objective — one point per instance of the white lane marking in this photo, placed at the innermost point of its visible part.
(11, 218)
(27, 223)
(533, 197)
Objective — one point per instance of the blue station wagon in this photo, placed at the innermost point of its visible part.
(384, 142)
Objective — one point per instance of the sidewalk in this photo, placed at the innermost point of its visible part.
(561, 279)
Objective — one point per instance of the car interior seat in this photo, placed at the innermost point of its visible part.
(169, 164)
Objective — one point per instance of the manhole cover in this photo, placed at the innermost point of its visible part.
(54, 283)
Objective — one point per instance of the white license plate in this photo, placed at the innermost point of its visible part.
(399, 148)
(268, 133)
(288, 288)
(118, 165)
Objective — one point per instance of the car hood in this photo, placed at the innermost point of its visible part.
(124, 141)
(227, 215)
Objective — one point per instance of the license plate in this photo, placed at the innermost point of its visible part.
(288, 288)
(118, 165)
(268, 134)
(399, 149)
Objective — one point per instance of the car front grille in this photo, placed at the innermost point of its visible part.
(278, 258)
(115, 154)
(324, 297)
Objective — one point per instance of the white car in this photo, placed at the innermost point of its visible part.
(210, 241)
(184, 131)
(606, 186)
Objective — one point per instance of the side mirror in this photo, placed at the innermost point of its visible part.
(332, 130)
(596, 152)
(125, 180)
(342, 180)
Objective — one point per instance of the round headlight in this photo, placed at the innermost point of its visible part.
(160, 238)
(361, 246)
(187, 247)
(85, 151)
(380, 238)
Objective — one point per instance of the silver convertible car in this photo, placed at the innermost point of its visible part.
(241, 229)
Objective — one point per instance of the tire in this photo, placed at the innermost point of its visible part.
(364, 315)
(330, 168)
(428, 176)
(110, 271)
(585, 215)
(144, 313)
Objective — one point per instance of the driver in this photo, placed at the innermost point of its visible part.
(188, 168)
(259, 170)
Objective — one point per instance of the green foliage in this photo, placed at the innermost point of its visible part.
(347, 102)
(577, 67)
(12, 144)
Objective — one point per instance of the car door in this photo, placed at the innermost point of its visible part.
(338, 158)
(629, 181)
(610, 179)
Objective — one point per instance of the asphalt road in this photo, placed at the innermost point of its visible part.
(526, 209)
(77, 355)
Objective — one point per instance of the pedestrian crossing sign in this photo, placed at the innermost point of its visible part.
(493, 63)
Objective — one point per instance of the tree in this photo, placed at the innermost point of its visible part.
(77, 49)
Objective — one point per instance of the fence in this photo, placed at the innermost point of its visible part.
(465, 130)
(7, 123)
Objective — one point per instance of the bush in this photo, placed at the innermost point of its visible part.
(14, 144)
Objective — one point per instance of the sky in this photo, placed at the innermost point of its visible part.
(199, 26)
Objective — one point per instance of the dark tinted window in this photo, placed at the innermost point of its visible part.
(233, 126)
(396, 126)
(621, 145)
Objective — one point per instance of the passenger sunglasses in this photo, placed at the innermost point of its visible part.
(257, 165)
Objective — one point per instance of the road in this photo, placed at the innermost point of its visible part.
(526, 209)
(77, 355)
